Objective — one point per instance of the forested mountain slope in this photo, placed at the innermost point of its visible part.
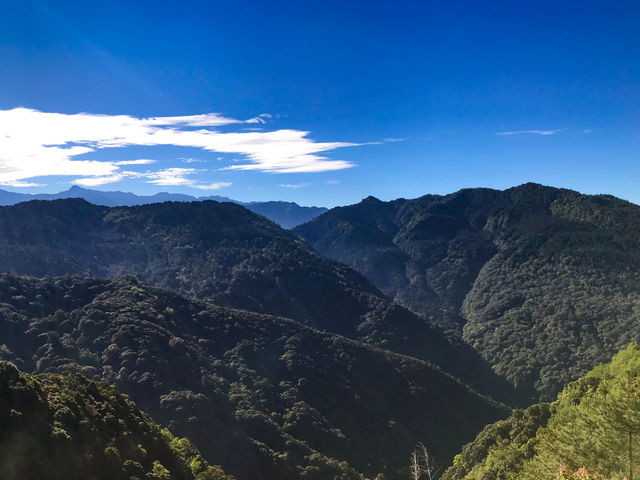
(236, 258)
(265, 397)
(543, 282)
(593, 425)
(66, 427)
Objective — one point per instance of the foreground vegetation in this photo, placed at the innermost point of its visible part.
(593, 426)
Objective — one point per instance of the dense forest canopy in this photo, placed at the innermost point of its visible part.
(543, 282)
(262, 396)
(236, 258)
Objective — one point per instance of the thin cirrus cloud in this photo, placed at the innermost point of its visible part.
(294, 186)
(166, 177)
(213, 186)
(171, 176)
(531, 132)
(40, 144)
(95, 181)
(140, 161)
(25, 184)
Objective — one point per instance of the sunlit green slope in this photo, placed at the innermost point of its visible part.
(594, 423)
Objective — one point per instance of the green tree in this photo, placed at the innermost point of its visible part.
(596, 424)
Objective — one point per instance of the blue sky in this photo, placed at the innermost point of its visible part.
(319, 102)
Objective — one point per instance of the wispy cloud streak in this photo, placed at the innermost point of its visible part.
(166, 177)
(531, 132)
(294, 186)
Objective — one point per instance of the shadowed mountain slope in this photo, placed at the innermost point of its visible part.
(238, 259)
(543, 282)
(263, 396)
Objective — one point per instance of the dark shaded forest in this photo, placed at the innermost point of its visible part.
(262, 396)
(235, 258)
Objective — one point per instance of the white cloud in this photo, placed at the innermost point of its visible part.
(531, 132)
(95, 181)
(206, 120)
(213, 186)
(39, 144)
(332, 182)
(294, 185)
(166, 177)
(281, 151)
(20, 184)
(140, 161)
(171, 176)
(394, 139)
(262, 118)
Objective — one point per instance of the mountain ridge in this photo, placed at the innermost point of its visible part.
(511, 271)
(285, 214)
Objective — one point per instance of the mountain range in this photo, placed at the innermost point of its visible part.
(285, 214)
(235, 258)
(330, 350)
